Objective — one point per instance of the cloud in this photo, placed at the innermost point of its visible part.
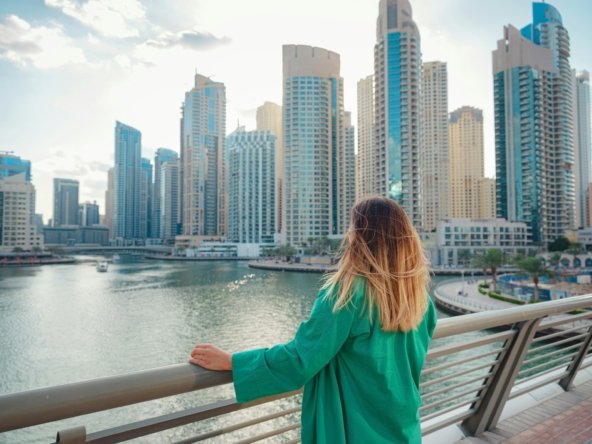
(112, 18)
(192, 39)
(41, 46)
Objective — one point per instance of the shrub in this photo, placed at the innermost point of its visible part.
(511, 300)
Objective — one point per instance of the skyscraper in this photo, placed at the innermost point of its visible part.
(434, 154)
(269, 118)
(466, 162)
(162, 155)
(146, 199)
(346, 189)
(170, 214)
(89, 214)
(65, 202)
(252, 186)
(365, 157)
(127, 183)
(109, 202)
(397, 80)
(314, 143)
(11, 165)
(583, 146)
(534, 126)
(203, 186)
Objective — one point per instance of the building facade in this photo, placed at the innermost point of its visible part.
(162, 155)
(270, 118)
(89, 214)
(127, 183)
(109, 197)
(170, 200)
(252, 186)
(434, 159)
(583, 146)
(365, 156)
(146, 189)
(471, 193)
(11, 165)
(457, 240)
(397, 83)
(534, 126)
(314, 144)
(17, 211)
(65, 202)
(203, 185)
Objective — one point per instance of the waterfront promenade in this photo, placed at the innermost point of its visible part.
(463, 297)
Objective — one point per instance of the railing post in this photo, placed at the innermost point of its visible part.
(574, 366)
(75, 435)
(493, 398)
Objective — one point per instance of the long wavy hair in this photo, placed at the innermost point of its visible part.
(382, 247)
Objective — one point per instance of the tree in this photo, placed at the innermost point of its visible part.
(17, 250)
(479, 262)
(464, 257)
(559, 244)
(575, 248)
(534, 268)
(494, 258)
(285, 251)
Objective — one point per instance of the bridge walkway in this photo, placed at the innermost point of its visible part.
(562, 419)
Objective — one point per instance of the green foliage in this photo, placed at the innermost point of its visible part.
(482, 290)
(511, 300)
(535, 268)
(17, 250)
(559, 244)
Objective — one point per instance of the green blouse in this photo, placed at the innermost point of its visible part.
(361, 384)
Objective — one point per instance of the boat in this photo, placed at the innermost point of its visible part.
(102, 266)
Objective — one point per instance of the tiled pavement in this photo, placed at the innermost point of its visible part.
(564, 419)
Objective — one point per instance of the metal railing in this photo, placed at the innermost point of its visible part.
(477, 362)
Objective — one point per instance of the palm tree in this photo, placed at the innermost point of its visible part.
(464, 257)
(493, 259)
(479, 262)
(533, 267)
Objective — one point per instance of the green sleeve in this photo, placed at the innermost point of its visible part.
(286, 367)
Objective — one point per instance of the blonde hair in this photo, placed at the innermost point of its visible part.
(383, 247)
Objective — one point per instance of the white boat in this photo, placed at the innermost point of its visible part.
(102, 266)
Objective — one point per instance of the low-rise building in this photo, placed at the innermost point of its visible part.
(456, 241)
(75, 235)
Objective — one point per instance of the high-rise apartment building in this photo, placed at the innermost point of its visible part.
(397, 83)
(314, 144)
(434, 163)
(146, 188)
(65, 202)
(170, 199)
(534, 126)
(203, 186)
(162, 155)
(252, 186)
(270, 118)
(11, 165)
(109, 202)
(365, 157)
(17, 211)
(89, 214)
(487, 200)
(127, 203)
(467, 165)
(347, 161)
(583, 146)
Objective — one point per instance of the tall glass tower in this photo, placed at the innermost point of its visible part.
(11, 165)
(146, 198)
(127, 183)
(397, 77)
(162, 156)
(315, 154)
(65, 202)
(203, 132)
(534, 126)
(583, 149)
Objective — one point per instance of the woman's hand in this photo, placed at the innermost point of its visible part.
(211, 357)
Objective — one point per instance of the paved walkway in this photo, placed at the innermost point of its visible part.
(564, 419)
(469, 296)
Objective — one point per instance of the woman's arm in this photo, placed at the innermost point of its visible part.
(211, 357)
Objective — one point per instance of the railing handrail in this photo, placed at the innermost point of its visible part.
(29, 408)
(506, 316)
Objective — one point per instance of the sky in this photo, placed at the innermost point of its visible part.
(70, 68)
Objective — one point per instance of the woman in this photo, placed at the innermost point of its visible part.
(360, 354)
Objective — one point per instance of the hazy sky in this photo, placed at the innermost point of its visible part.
(70, 68)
